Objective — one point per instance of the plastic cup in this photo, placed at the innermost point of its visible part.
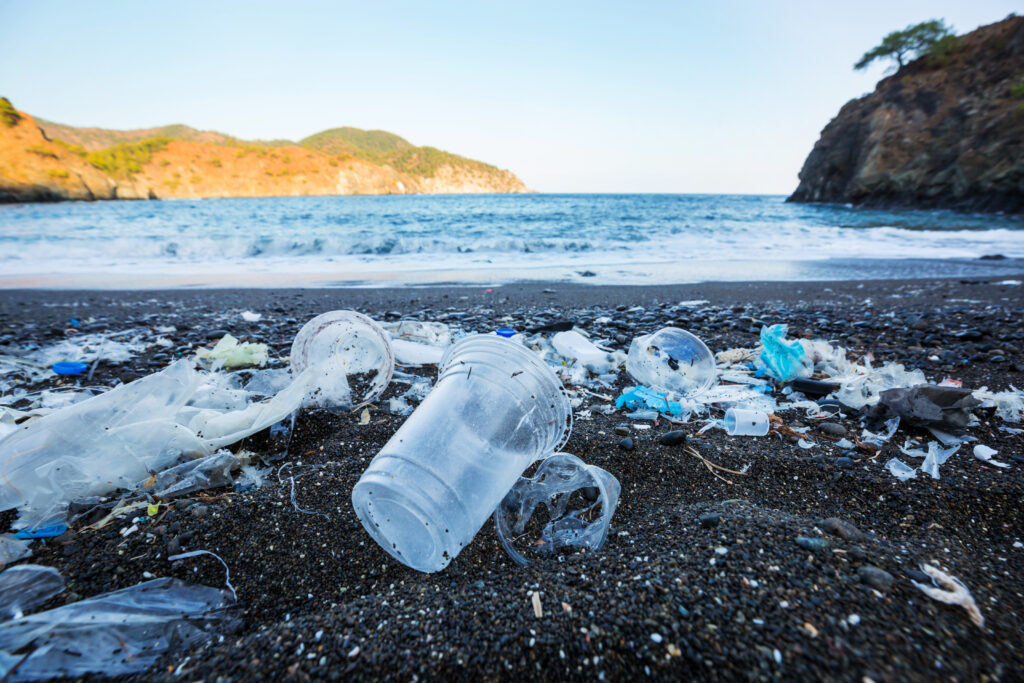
(672, 359)
(495, 410)
(340, 344)
(739, 422)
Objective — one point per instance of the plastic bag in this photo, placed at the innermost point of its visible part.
(27, 586)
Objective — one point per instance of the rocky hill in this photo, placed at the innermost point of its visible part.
(939, 133)
(45, 161)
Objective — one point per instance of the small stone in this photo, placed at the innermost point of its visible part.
(844, 462)
(591, 493)
(626, 444)
(622, 428)
(842, 528)
(832, 429)
(709, 520)
(673, 438)
(215, 334)
(199, 511)
(812, 544)
(173, 547)
(875, 577)
(919, 576)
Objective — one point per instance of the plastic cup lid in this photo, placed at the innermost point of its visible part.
(505, 332)
(69, 368)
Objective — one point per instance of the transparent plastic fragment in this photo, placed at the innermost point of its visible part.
(1009, 405)
(900, 470)
(269, 382)
(673, 360)
(985, 453)
(579, 501)
(936, 456)
(25, 587)
(880, 439)
(339, 348)
(574, 347)
(421, 332)
(115, 633)
(210, 472)
(950, 590)
(414, 355)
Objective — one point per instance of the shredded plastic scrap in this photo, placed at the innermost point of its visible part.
(229, 354)
(554, 486)
(196, 475)
(574, 347)
(950, 590)
(25, 587)
(640, 397)
(1009, 405)
(115, 633)
(930, 405)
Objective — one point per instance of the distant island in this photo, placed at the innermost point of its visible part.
(45, 161)
(946, 131)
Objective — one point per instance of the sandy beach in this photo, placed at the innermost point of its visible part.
(699, 578)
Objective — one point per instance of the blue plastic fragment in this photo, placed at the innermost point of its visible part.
(642, 397)
(43, 532)
(785, 360)
(75, 323)
(69, 368)
(505, 332)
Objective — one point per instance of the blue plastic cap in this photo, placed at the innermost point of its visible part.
(505, 332)
(69, 368)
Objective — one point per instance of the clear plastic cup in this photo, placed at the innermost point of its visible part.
(495, 410)
(672, 359)
(740, 422)
(340, 344)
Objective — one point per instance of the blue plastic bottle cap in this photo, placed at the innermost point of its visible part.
(70, 368)
(505, 332)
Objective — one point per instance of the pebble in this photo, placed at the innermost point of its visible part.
(622, 428)
(673, 438)
(710, 520)
(626, 444)
(842, 528)
(812, 543)
(875, 577)
(844, 462)
(832, 429)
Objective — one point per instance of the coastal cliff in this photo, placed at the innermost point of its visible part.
(45, 161)
(939, 133)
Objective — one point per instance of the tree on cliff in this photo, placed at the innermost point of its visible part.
(913, 41)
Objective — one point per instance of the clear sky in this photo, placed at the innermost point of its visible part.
(571, 96)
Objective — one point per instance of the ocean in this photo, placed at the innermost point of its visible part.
(430, 239)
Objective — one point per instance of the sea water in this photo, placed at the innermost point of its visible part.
(646, 239)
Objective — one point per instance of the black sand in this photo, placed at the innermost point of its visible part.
(667, 596)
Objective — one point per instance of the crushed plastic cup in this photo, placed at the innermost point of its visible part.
(579, 501)
(496, 408)
(340, 345)
(739, 422)
(672, 359)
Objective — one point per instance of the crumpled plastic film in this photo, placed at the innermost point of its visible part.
(115, 633)
(579, 520)
(27, 586)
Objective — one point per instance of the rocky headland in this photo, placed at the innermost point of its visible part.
(940, 133)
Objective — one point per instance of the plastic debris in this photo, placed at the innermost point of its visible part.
(250, 317)
(936, 456)
(340, 347)
(412, 354)
(984, 453)
(43, 532)
(421, 332)
(672, 359)
(496, 409)
(784, 360)
(1009, 405)
(268, 382)
(950, 590)
(813, 388)
(880, 439)
(734, 356)
(115, 633)
(210, 472)
(642, 397)
(69, 368)
(573, 346)
(572, 520)
(930, 405)
(13, 549)
(739, 422)
(506, 332)
(25, 587)
(230, 354)
(900, 470)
